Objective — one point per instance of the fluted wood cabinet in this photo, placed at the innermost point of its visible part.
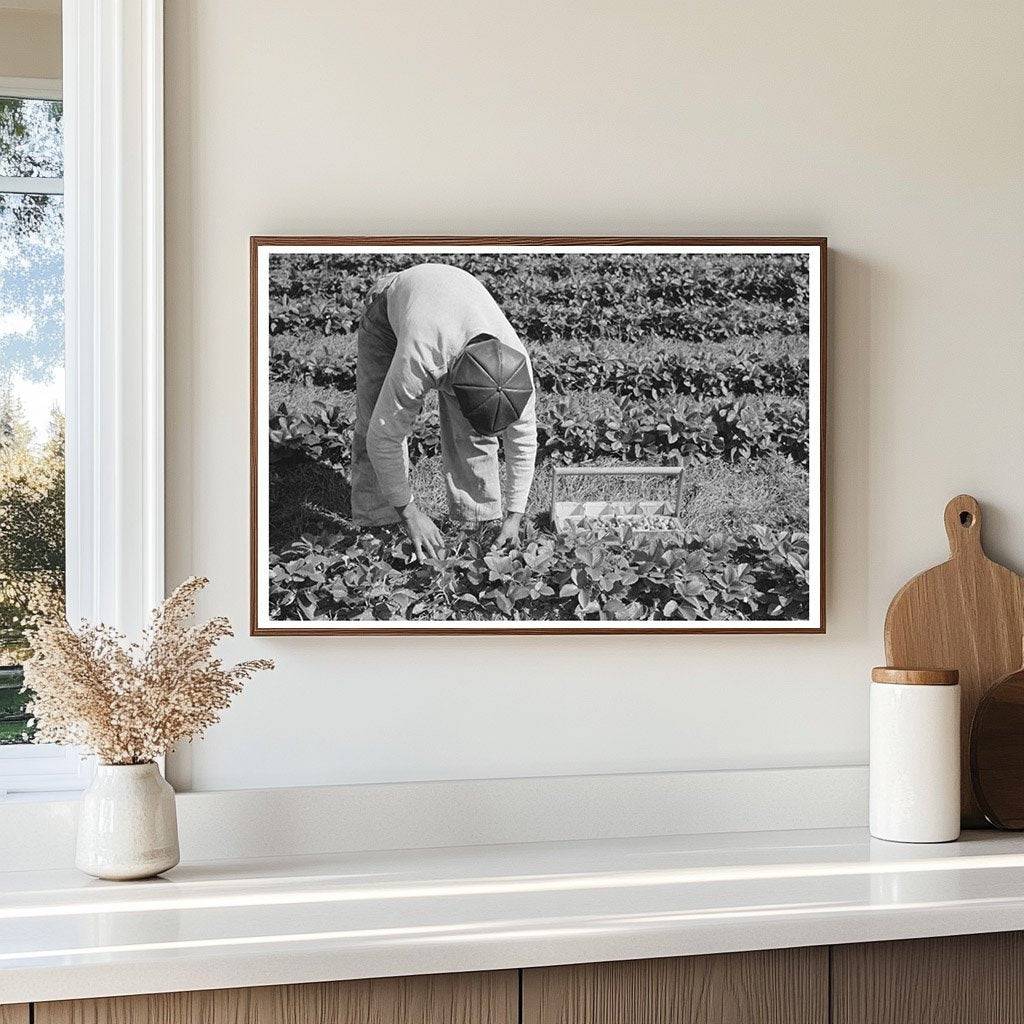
(971, 979)
(774, 986)
(482, 998)
(962, 979)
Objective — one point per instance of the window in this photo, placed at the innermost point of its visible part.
(32, 549)
(92, 172)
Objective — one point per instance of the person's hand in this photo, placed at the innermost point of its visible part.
(427, 539)
(509, 532)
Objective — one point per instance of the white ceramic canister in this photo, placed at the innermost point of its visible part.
(127, 825)
(915, 755)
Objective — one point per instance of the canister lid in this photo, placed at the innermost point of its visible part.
(916, 676)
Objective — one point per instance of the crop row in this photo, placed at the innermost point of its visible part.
(573, 322)
(651, 379)
(730, 430)
(713, 297)
(606, 278)
(588, 574)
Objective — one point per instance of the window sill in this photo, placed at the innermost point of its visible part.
(43, 771)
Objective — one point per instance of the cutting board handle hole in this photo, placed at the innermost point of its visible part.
(962, 517)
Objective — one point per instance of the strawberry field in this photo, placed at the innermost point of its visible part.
(652, 360)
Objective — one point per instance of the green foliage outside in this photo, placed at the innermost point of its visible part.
(31, 548)
(638, 360)
(31, 353)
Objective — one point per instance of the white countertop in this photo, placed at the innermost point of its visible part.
(261, 922)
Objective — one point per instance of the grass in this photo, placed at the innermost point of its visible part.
(12, 732)
(716, 496)
(12, 718)
(311, 498)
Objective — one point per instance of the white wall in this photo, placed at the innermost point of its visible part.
(30, 39)
(895, 129)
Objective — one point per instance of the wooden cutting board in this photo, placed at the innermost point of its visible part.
(997, 752)
(967, 614)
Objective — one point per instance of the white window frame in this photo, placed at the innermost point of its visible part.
(114, 324)
(32, 88)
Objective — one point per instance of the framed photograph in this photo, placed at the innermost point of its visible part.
(537, 435)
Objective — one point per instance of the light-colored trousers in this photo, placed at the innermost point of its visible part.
(470, 460)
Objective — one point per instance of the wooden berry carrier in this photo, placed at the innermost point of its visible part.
(567, 514)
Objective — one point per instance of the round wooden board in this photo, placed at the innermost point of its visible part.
(997, 752)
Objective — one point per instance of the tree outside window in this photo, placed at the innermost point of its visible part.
(31, 387)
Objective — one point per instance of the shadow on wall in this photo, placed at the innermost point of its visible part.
(854, 287)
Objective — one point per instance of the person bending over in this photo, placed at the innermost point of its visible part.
(437, 327)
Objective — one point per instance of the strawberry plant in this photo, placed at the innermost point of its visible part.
(594, 573)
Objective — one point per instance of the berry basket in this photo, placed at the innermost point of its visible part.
(653, 520)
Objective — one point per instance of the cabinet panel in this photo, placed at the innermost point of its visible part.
(481, 998)
(962, 979)
(14, 1013)
(778, 986)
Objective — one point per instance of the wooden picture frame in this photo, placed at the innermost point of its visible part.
(452, 247)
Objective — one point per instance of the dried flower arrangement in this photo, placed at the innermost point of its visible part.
(129, 703)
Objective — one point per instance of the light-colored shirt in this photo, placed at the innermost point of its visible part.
(434, 311)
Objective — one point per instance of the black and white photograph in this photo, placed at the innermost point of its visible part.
(537, 435)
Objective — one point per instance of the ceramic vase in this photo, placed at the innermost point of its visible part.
(127, 825)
